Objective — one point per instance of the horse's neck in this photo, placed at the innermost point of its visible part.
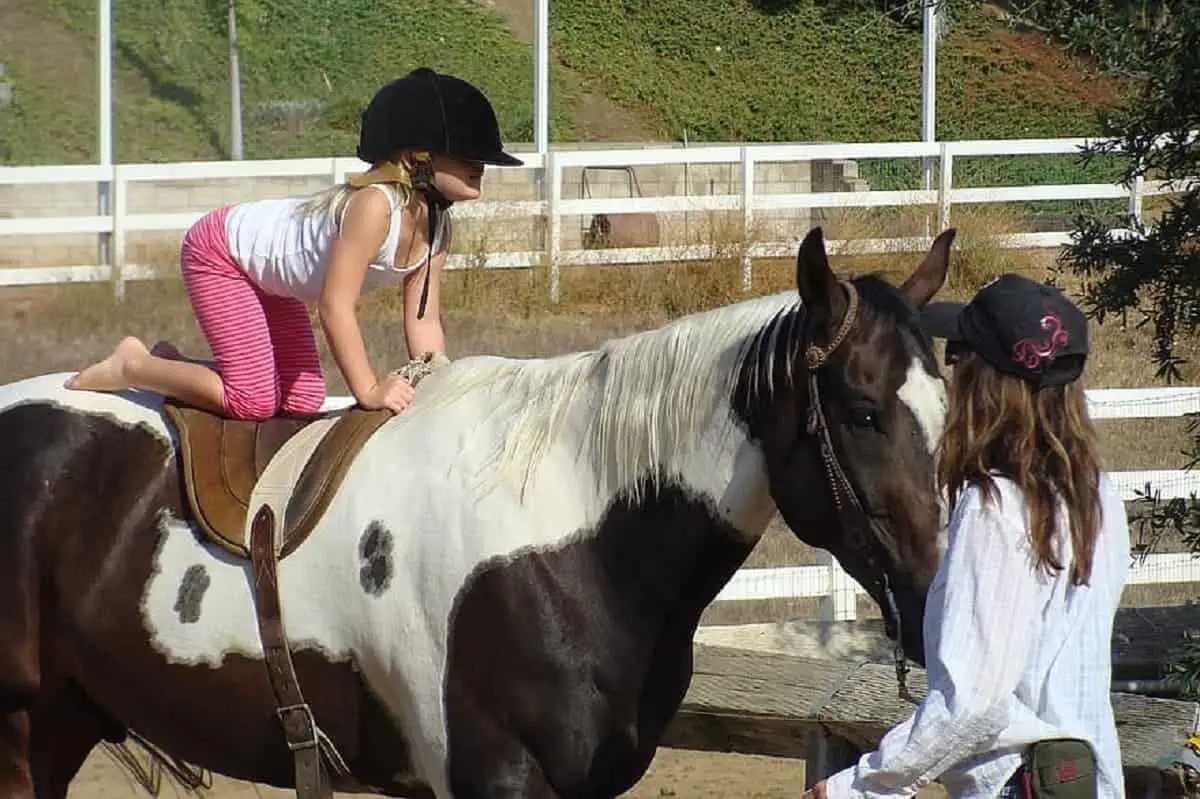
(675, 546)
(729, 470)
(712, 462)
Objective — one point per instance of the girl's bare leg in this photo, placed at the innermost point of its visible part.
(131, 365)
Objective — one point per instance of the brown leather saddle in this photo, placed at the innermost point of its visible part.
(222, 462)
(222, 459)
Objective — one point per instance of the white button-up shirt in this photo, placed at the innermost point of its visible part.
(1013, 655)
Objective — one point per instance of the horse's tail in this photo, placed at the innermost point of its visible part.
(149, 775)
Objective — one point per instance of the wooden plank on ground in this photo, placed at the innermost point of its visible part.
(1140, 637)
(755, 703)
(768, 703)
(867, 706)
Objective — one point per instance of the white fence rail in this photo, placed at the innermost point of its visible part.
(838, 591)
(117, 224)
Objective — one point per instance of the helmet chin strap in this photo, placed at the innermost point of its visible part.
(435, 204)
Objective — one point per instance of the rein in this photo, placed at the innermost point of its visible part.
(855, 516)
(417, 369)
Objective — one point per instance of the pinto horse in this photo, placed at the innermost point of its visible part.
(500, 600)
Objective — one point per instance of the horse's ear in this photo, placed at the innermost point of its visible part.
(823, 298)
(930, 276)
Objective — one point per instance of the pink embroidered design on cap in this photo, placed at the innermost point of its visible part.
(1029, 352)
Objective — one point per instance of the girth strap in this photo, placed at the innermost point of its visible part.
(304, 738)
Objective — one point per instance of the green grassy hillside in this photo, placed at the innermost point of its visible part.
(836, 70)
(821, 70)
(818, 70)
(307, 69)
(785, 70)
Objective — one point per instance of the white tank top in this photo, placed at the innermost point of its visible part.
(284, 249)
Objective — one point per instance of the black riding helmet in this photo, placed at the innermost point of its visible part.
(431, 113)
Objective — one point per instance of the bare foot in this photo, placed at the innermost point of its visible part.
(165, 349)
(112, 373)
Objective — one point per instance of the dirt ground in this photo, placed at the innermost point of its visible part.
(688, 775)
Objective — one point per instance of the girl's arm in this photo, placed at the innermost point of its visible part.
(426, 334)
(982, 618)
(363, 230)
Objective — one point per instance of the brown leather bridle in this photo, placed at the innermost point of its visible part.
(851, 512)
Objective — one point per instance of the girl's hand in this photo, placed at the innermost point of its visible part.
(816, 792)
(392, 392)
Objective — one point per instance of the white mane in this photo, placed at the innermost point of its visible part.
(642, 398)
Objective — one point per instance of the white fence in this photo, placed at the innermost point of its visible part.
(553, 207)
(838, 591)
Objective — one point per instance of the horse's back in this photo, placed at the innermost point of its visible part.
(128, 408)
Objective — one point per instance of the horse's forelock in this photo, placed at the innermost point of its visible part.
(883, 318)
(893, 329)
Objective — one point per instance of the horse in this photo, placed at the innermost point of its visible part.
(500, 598)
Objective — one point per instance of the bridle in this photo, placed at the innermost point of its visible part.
(851, 512)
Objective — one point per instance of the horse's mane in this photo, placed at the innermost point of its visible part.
(637, 402)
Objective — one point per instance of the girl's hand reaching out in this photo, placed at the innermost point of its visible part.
(392, 392)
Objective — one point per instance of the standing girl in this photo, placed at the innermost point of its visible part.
(250, 269)
(1019, 618)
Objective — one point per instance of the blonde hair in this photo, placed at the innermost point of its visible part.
(1043, 440)
(395, 176)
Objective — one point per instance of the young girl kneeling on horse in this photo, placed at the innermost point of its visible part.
(250, 268)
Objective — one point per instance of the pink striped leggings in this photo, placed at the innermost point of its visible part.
(264, 345)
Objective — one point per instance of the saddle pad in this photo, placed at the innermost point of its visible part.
(302, 462)
(303, 476)
(278, 480)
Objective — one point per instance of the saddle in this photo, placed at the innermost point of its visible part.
(257, 490)
(229, 466)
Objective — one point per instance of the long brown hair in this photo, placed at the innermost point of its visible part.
(1042, 439)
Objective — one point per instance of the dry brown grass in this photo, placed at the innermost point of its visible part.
(507, 312)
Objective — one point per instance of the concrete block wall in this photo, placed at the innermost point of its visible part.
(472, 235)
(200, 195)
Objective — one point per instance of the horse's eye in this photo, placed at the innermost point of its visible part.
(864, 418)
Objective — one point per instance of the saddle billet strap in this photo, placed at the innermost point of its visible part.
(304, 739)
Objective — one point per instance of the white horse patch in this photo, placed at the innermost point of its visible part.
(925, 395)
(222, 621)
